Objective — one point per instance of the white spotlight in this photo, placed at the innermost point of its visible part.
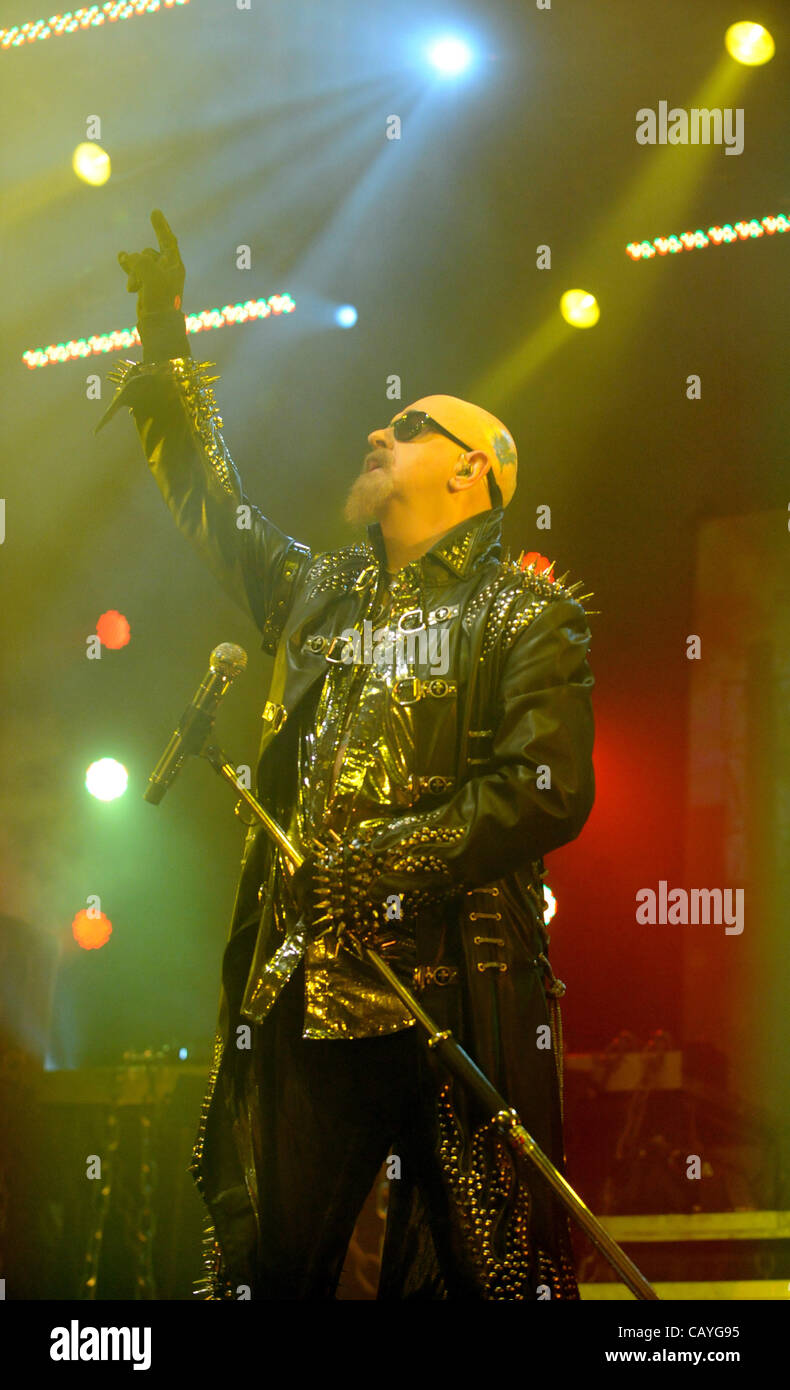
(450, 55)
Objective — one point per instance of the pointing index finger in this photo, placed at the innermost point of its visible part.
(167, 239)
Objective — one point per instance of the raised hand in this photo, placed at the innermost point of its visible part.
(157, 277)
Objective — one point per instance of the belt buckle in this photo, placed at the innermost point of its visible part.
(276, 715)
(364, 577)
(443, 974)
(437, 686)
(415, 683)
(403, 626)
(434, 975)
(339, 660)
(441, 614)
(434, 784)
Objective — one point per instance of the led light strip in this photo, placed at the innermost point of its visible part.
(69, 23)
(127, 337)
(696, 241)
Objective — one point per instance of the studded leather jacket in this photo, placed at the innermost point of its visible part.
(446, 808)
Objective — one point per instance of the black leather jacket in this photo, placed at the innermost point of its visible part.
(511, 740)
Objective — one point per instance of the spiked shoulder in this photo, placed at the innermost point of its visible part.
(338, 570)
(524, 587)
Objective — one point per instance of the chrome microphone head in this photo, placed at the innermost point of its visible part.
(228, 660)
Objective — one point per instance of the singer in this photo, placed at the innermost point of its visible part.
(424, 804)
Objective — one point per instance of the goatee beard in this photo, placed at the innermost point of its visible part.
(368, 496)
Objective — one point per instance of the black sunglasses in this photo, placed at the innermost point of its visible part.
(415, 422)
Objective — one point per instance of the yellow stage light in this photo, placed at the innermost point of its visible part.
(749, 43)
(91, 163)
(579, 308)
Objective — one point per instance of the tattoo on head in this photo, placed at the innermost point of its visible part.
(503, 449)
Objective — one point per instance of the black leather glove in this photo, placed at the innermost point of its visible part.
(157, 278)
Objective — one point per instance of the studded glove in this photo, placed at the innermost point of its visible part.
(330, 890)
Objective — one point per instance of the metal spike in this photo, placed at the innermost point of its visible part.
(335, 837)
(584, 596)
(573, 587)
(327, 917)
(562, 578)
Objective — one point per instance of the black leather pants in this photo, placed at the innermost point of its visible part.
(332, 1110)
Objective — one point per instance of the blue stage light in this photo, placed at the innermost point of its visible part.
(346, 316)
(450, 55)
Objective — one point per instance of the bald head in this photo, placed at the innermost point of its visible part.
(481, 430)
(421, 487)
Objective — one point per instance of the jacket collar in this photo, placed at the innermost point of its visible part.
(459, 550)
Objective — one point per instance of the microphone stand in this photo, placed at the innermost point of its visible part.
(460, 1064)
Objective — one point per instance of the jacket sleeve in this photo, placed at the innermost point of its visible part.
(178, 422)
(537, 790)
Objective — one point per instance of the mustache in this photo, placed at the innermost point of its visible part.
(375, 460)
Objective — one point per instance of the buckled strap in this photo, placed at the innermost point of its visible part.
(416, 625)
(409, 689)
(340, 651)
(434, 975)
(443, 614)
(274, 714)
(365, 577)
(435, 784)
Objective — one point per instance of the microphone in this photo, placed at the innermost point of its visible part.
(227, 662)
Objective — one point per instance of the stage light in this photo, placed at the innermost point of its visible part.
(90, 930)
(715, 236)
(450, 56)
(579, 309)
(106, 779)
(749, 43)
(533, 560)
(113, 630)
(91, 163)
(346, 316)
(90, 18)
(129, 337)
(551, 904)
(182, 1054)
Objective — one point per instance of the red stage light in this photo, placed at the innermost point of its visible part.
(113, 630)
(91, 931)
(533, 559)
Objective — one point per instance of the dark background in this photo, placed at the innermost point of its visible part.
(267, 128)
